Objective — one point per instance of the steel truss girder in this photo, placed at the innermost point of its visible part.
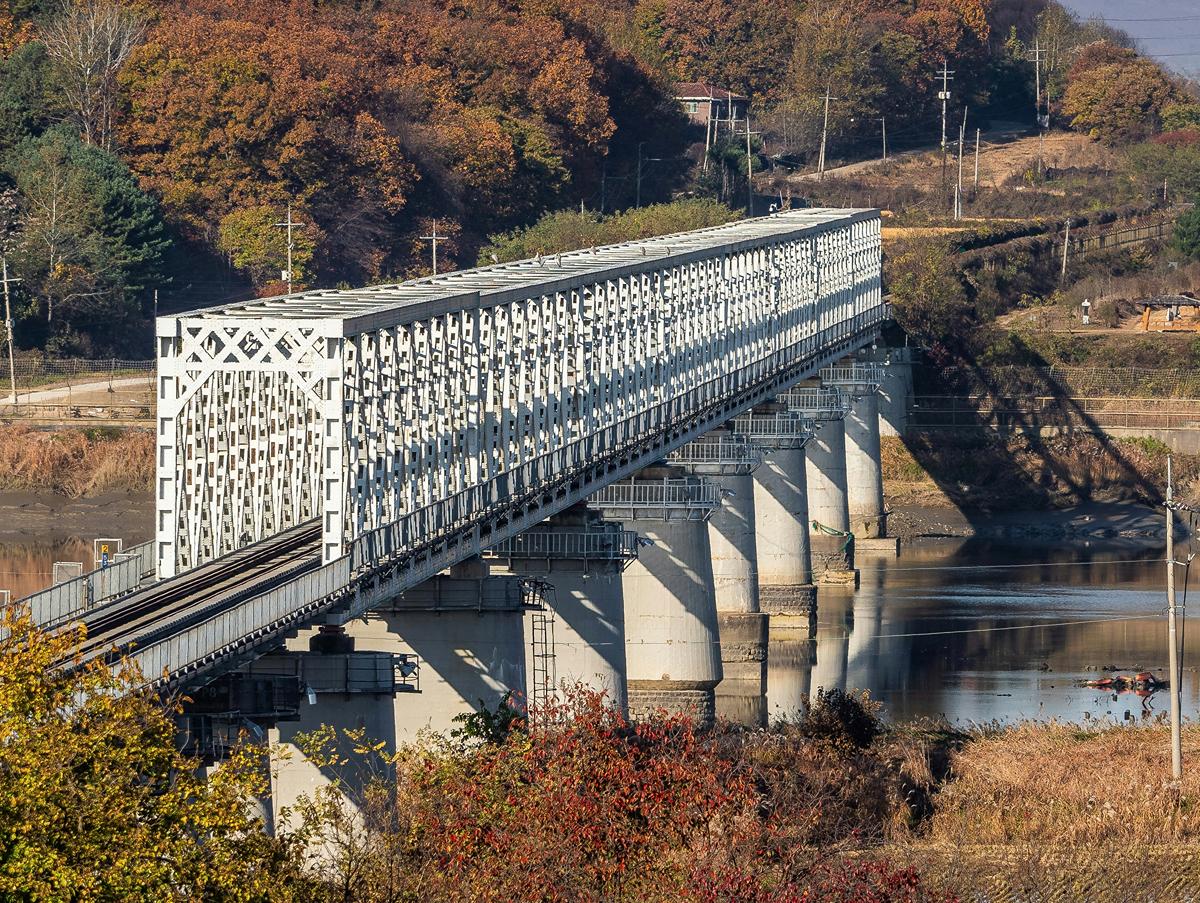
(449, 411)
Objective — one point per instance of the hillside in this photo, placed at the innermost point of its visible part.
(150, 153)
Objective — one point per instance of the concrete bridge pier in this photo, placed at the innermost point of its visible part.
(895, 388)
(731, 460)
(785, 579)
(860, 382)
(442, 649)
(828, 507)
(577, 638)
(672, 642)
(828, 499)
(864, 476)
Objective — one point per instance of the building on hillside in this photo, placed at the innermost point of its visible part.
(1172, 313)
(705, 104)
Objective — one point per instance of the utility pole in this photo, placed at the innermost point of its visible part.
(824, 135)
(638, 196)
(749, 169)
(1173, 640)
(8, 328)
(883, 122)
(976, 189)
(433, 238)
(946, 75)
(962, 135)
(1036, 56)
(1066, 246)
(289, 224)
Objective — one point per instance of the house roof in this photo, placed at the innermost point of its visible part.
(701, 91)
(1161, 301)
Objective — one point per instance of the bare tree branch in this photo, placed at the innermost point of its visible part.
(90, 40)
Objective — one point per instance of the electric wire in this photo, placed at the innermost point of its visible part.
(1048, 564)
(884, 636)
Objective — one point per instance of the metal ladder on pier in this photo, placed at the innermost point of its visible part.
(545, 679)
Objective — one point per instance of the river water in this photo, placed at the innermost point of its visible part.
(943, 631)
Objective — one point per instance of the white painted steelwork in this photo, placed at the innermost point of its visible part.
(782, 429)
(601, 542)
(668, 498)
(719, 453)
(817, 402)
(406, 410)
(855, 379)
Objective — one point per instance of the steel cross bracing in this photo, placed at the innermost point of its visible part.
(421, 423)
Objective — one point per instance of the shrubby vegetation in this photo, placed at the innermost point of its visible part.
(96, 804)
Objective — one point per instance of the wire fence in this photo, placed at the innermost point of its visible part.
(1031, 412)
(1078, 382)
(68, 389)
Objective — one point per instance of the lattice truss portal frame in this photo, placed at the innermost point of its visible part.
(423, 404)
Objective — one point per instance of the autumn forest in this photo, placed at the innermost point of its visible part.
(149, 149)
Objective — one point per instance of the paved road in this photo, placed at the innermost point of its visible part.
(996, 136)
(78, 391)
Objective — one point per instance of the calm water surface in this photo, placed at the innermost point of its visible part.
(28, 567)
(939, 632)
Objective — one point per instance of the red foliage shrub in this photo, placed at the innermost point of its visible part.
(1178, 138)
(578, 803)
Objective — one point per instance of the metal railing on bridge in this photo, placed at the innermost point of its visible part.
(782, 429)
(817, 402)
(719, 452)
(860, 377)
(607, 543)
(68, 599)
(668, 498)
(245, 624)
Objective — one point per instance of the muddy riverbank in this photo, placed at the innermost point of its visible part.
(1122, 522)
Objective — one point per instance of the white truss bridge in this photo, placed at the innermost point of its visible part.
(320, 452)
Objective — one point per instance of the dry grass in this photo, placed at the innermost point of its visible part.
(1054, 784)
(1057, 812)
(1024, 873)
(75, 463)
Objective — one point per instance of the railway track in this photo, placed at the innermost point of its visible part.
(169, 606)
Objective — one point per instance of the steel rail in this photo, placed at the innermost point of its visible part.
(201, 592)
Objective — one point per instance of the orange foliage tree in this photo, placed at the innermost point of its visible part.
(477, 112)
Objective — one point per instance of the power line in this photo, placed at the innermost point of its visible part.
(880, 636)
(1049, 564)
(1161, 19)
(891, 636)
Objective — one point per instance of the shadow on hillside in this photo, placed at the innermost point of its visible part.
(999, 441)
